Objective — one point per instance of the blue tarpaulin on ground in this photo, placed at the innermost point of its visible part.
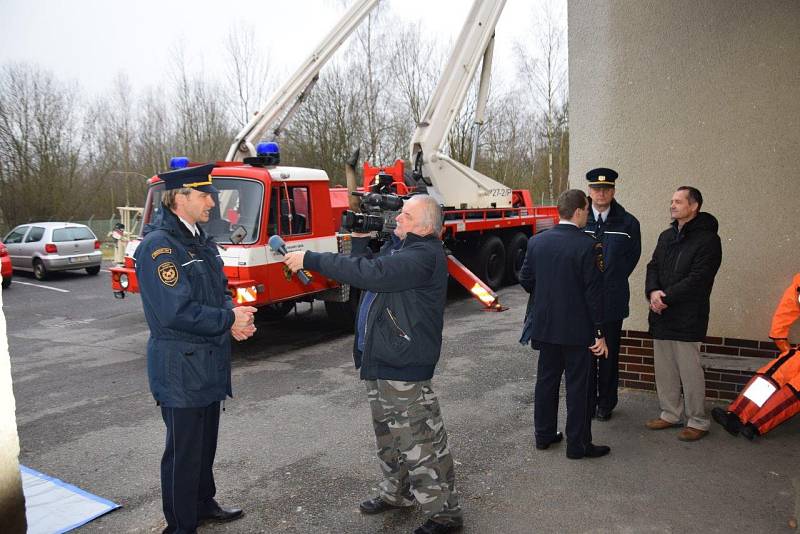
(53, 506)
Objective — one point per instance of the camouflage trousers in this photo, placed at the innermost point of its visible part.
(412, 448)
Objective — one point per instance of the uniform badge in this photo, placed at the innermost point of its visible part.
(287, 272)
(158, 252)
(598, 257)
(168, 274)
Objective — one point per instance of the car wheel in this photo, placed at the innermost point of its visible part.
(6, 282)
(39, 270)
(93, 270)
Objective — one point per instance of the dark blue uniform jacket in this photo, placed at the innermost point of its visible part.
(622, 247)
(563, 274)
(188, 309)
(403, 333)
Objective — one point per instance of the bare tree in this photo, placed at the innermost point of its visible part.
(202, 131)
(39, 145)
(545, 75)
(247, 82)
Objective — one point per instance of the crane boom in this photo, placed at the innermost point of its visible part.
(452, 183)
(286, 100)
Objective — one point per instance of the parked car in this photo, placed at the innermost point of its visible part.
(5, 266)
(53, 246)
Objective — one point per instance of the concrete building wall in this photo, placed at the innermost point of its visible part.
(703, 93)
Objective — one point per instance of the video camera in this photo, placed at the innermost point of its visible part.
(379, 208)
(378, 214)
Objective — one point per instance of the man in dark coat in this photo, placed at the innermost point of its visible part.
(680, 277)
(618, 231)
(191, 318)
(397, 345)
(563, 274)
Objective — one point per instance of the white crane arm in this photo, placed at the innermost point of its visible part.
(286, 100)
(454, 184)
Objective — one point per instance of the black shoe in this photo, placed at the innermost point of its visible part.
(556, 439)
(592, 451)
(218, 513)
(377, 506)
(603, 414)
(729, 421)
(432, 527)
(749, 431)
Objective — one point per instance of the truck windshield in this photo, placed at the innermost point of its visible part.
(239, 203)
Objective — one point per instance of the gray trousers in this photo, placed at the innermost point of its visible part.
(677, 364)
(412, 448)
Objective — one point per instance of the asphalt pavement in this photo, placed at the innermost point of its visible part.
(296, 449)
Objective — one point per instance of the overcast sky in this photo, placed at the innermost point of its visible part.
(91, 41)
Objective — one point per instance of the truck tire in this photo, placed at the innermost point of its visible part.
(515, 256)
(275, 312)
(6, 282)
(39, 270)
(490, 263)
(343, 314)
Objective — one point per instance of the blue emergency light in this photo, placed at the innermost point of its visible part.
(267, 148)
(267, 154)
(180, 162)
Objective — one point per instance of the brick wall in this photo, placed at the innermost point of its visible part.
(636, 362)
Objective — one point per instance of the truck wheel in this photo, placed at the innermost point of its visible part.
(6, 282)
(343, 314)
(515, 256)
(93, 270)
(39, 270)
(491, 262)
(274, 312)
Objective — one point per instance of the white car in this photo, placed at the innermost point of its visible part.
(53, 246)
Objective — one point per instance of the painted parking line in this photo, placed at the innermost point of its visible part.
(39, 285)
(104, 271)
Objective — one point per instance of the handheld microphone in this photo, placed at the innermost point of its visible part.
(278, 246)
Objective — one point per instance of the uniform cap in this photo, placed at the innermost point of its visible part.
(198, 178)
(602, 177)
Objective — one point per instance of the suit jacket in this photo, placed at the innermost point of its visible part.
(563, 272)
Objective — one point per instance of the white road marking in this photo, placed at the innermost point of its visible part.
(37, 285)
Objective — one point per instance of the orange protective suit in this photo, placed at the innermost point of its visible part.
(745, 415)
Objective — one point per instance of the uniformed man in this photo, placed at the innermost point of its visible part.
(563, 272)
(191, 318)
(618, 231)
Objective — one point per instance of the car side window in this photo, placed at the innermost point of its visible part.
(35, 234)
(16, 235)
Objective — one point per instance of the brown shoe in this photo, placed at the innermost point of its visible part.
(691, 434)
(659, 424)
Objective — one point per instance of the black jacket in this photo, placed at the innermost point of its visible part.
(188, 309)
(622, 247)
(684, 265)
(404, 321)
(562, 272)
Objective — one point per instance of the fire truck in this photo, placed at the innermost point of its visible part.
(486, 224)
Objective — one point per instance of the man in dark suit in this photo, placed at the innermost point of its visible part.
(563, 272)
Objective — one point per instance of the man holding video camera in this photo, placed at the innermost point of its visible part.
(397, 345)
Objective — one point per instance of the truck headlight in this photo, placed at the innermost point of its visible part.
(123, 281)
